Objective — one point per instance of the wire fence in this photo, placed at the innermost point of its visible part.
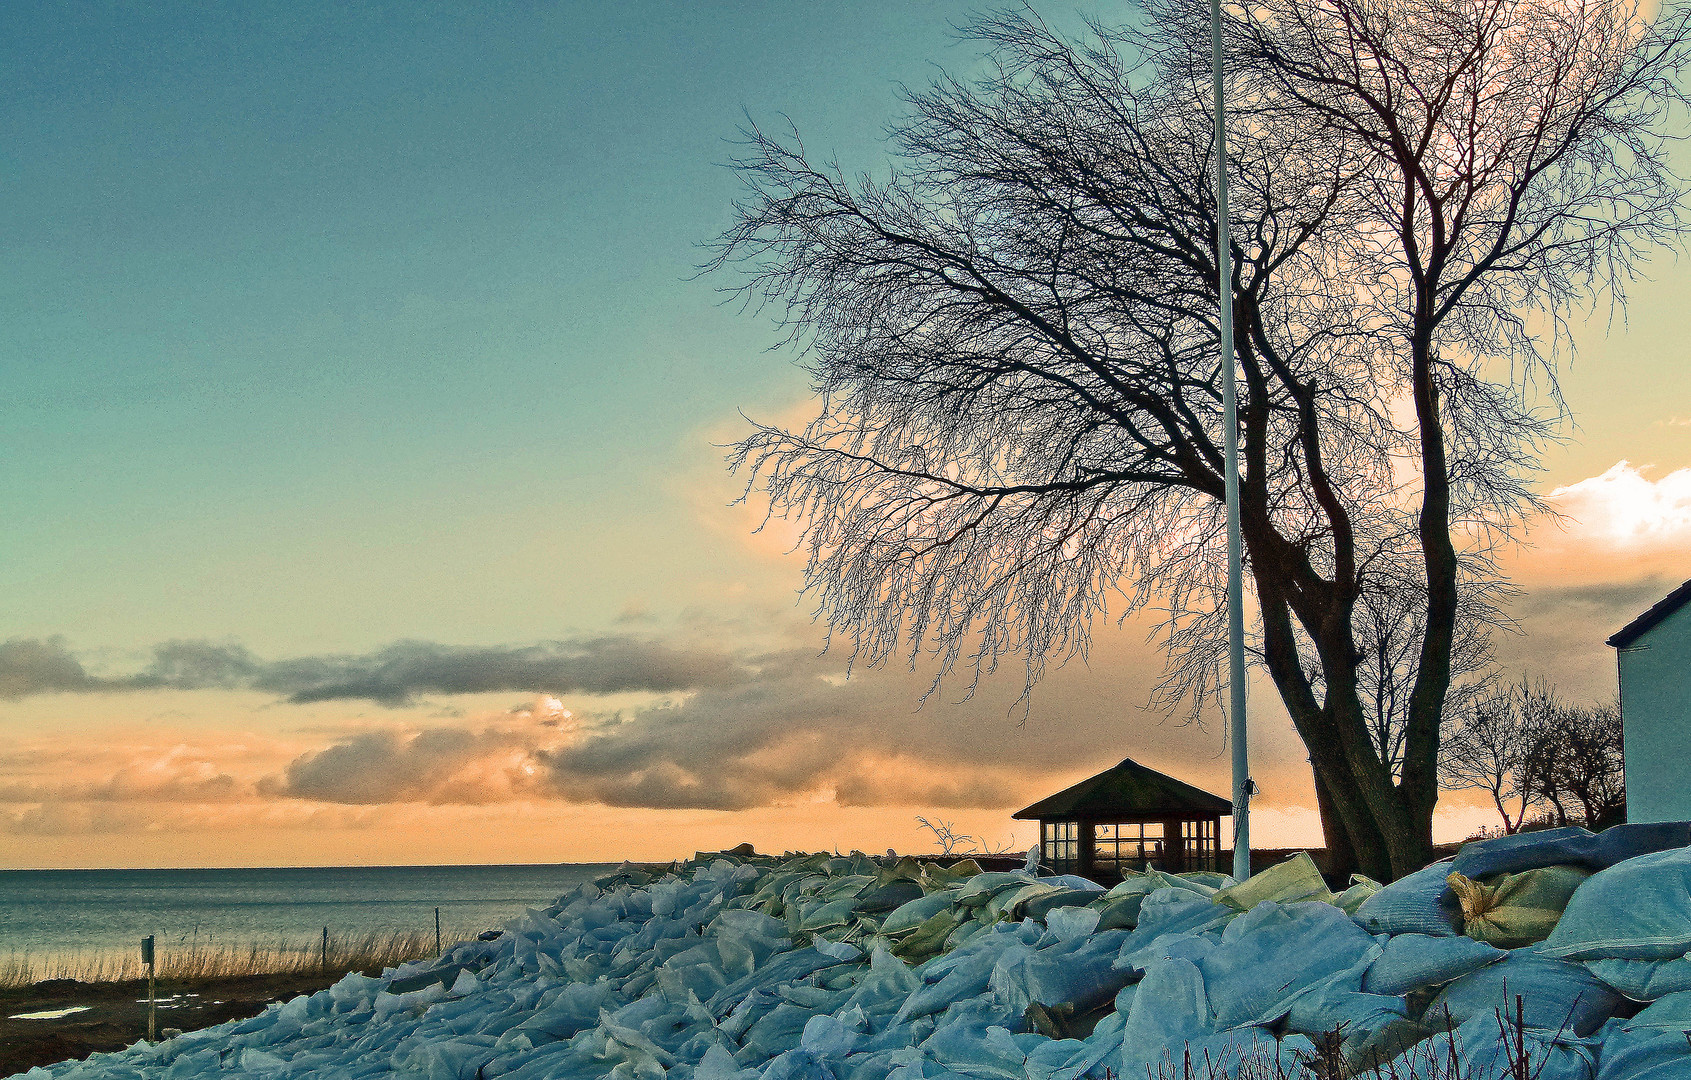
(198, 959)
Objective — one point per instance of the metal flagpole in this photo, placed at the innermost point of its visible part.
(1230, 443)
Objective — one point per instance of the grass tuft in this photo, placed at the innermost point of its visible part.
(200, 960)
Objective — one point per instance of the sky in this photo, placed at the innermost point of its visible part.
(361, 468)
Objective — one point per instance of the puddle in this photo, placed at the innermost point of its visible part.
(50, 1014)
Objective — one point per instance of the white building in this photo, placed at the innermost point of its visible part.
(1654, 654)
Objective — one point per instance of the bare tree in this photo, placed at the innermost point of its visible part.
(945, 832)
(1013, 340)
(1526, 746)
(1492, 745)
(1576, 765)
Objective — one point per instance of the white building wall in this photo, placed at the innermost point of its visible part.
(1656, 708)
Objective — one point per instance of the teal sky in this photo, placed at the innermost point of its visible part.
(325, 327)
(327, 324)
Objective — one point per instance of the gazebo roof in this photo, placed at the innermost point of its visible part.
(1128, 790)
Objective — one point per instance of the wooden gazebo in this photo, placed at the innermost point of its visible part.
(1128, 818)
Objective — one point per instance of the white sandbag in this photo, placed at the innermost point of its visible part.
(885, 985)
(797, 1065)
(1221, 1055)
(828, 1037)
(1273, 953)
(1651, 1045)
(1556, 995)
(1056, 1059)
(719, 1064)
(1644, 980)
(1356, 1016)
(1049, 900)
(1418, 903)
(1073, 881)
(1079, 979)
(964, 979)
(1639, 909)
(1171, 912)
(1415, 961)
(1645, 1054)
(1069, 923)
(993, 1053)
(1489, 1048)
(575, 1008)
(977, 1014)
(1170, 1008)
(1193, 947)
(1551, 847)
(978, 889)
(1672, 1013)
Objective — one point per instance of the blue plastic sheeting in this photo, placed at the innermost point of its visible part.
(1414, 961)
(1554, 994)
(1637, 910)
(1418, 903)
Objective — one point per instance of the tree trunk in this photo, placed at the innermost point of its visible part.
(1341, 853)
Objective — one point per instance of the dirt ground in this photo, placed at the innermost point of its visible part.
(116, 1013)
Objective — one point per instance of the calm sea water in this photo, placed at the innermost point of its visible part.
(61, 911)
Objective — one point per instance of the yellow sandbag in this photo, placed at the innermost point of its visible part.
(1512, 910)
(928, 938)
(1295, 879)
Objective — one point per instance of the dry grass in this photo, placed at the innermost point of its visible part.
(199, 960)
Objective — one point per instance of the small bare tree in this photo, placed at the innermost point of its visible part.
(1490, 745)
(1534, 752)
(1576, 765)
(945, 832)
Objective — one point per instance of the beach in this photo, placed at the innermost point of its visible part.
(229, 941)
(113, 1015)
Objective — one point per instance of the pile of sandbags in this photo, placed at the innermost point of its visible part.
(817, 967)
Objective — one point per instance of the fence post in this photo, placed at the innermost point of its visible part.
(437, 948)
(325, 948)
(152, 988)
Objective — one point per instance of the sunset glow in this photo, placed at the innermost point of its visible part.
(364, 482)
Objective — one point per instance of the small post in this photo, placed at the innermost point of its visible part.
(325, 948)
(437, 948)
(152, 988)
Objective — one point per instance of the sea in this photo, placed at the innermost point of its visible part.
(59, 912)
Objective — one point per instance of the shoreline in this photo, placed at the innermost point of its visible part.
(115, 1013)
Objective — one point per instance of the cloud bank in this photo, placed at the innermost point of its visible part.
(394, 675)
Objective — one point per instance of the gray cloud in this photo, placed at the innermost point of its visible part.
(1564, 629)
(41, 666)
(790, 729)
(799, 729)
(383, 767)
(743, 730)
(393, 676)
(1617, 602)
